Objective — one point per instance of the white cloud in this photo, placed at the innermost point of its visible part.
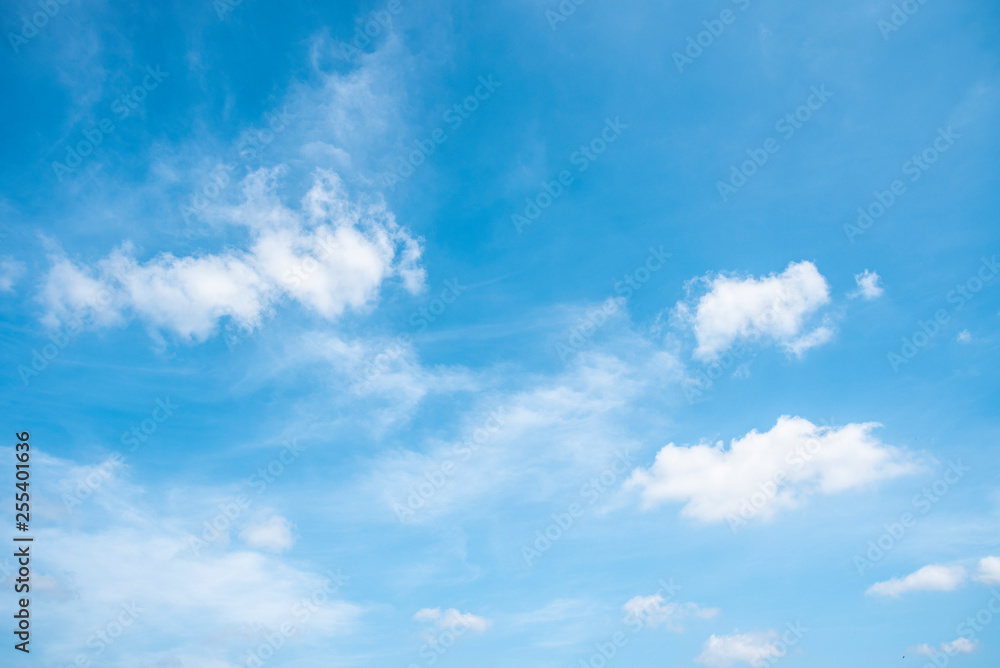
(510, 441)
(452, 619)
(928, 578)
(653, 611)
(869, 285)
(762, 473)
(989, 571)
(965, 336)
(70, 294)
(11, 272)
(273, 535)
(506, 435)
(213, 603)
(329, 255)
(958, 646)
(776, 307)
(387, 370)
(753, 648)
(817, 337)
(359, 112)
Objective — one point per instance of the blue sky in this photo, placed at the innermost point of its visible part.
(531, 333)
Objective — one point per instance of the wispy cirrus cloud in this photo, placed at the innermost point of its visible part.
(452, 619)
(273, 534)
(11, 272)
(217, 604)
(653, 611)
(957, 646)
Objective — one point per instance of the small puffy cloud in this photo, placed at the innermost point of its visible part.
(762, 473)
(989, 571)
(959, 646)
(11, 272)
(928, 578)
(778, 308)
(869, 286)
(273, 535)
(965, 336)
(329, 255)
(653, 611)
(452, 619)
(753, 648)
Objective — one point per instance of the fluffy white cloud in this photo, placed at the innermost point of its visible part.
(989, 571)
(776, 307)
(762, 473)
(329, 255)
(753, 648)
(965, 336)
(452, 619)
(869, 285)
(958, 646)
(273, 535)
(11, 272)
(653, 611)
(928, 578)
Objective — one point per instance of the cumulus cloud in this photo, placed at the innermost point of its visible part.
(328, 255)
(11, 272)
(965, 336)
(989, 571)
(762, 473)
(928, 578)
(273, 535)
(653, 611)
(753, 648)
(776, 308)
(452, 619)
(958, 646)
(869, 285)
